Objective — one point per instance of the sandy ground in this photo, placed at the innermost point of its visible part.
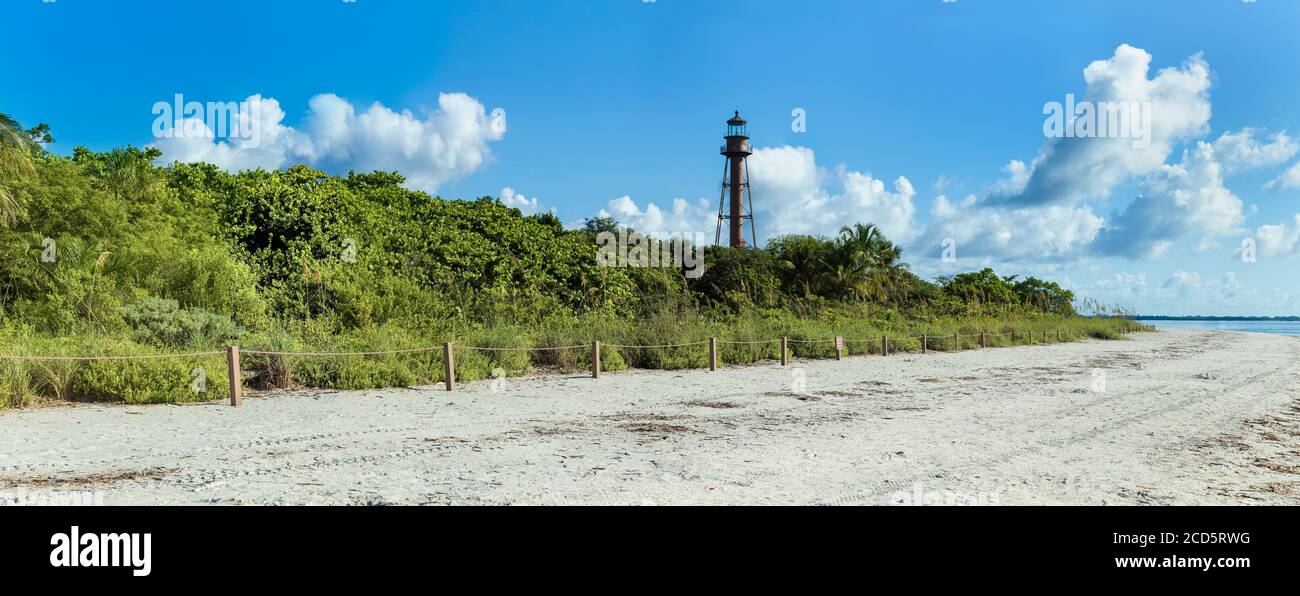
(1185, 417)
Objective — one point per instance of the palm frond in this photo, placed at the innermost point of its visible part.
(15, 160)
(8, 208)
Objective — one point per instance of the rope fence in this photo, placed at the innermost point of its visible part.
(536, 349)
(383, 353)
(659, 346)
(235, 374)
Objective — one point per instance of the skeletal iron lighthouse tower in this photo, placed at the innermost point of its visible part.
(735, 205)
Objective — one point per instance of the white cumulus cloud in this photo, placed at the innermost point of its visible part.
(1278, 240)
(525, 205)
(1288, 179)
(1174, 201)
(446, 144)
(1176, 102)
(1040, 211)
(684, 218)
(1046, 233)
(1240, 150)
(792, 195)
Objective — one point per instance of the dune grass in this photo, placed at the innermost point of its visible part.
(514, 351)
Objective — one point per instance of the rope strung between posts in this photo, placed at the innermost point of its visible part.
(749, 343)
(235, 372)
(495, 349)
(136, 357)
(877, 339)
(696, 343)
(384, 353)
(537, 349)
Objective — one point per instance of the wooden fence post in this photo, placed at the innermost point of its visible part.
(1058, 335)
(1013, 337)
(236, 376)
(925, 343)
(595, 359)
(839, 347)
(713, 353)
(956, 342)
(983, 343)
(449, 365)
(884, 345)
(785, 350)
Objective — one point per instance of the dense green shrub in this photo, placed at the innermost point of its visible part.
(164, 323)
(739, 277)
(984, 291)
(170, 379)
(162, 380)
(207, 277)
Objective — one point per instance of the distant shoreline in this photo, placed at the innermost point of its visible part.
(1211, 318)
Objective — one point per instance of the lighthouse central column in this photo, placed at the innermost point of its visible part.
(737, 201)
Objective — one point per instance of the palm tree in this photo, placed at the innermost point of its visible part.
(804, 260)
(128, 174)
(15, 160)
(868, 263)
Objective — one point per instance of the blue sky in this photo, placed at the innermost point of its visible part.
(915, 113)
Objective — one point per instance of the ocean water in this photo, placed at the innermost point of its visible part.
(1277, 327)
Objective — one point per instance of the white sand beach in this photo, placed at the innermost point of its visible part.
(1184, 417)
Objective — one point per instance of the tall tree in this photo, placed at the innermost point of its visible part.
(803, 261)
(869, 262)
(16, 150)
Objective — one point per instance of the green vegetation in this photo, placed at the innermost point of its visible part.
(106, 253)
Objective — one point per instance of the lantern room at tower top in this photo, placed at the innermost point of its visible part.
(736, 126)
(737, 138)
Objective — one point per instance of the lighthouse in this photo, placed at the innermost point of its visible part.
(735, 205)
